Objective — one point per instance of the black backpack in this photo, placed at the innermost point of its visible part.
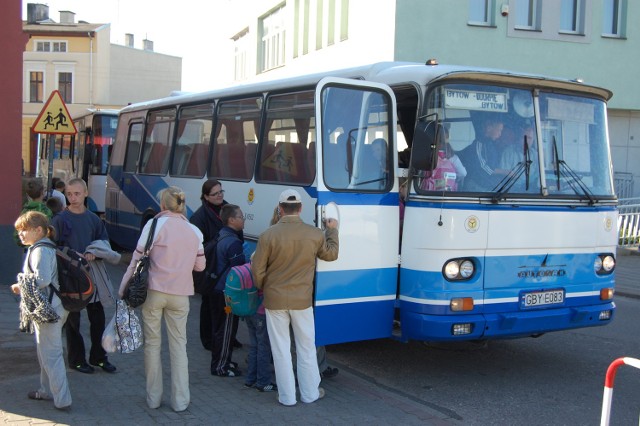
(76, 287)
(205, 281)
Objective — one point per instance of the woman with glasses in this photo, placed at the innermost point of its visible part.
(207, 219)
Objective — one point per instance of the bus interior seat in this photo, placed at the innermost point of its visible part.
(267, 170)
(180, 158)
(157, 159)
(311, 160)
(198, 160)
(131, 156)
(230, 159)
(250, 157)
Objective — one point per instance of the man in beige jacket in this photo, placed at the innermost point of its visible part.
(283, 267)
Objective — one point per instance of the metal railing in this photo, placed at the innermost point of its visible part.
(623, 182)
(629, 222)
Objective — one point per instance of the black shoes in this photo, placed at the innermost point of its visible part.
(106, 366)
(230, 371)
(329, 372)
(83, 368)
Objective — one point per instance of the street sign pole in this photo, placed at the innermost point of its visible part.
(54, 119)
(51, 153)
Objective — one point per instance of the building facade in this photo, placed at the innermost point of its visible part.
(590, 40)
(78, 60)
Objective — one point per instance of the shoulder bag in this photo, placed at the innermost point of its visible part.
(136, 292)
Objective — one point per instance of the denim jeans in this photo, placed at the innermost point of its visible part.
(259, 351)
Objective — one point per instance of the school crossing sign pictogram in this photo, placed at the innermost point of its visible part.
(54, 118)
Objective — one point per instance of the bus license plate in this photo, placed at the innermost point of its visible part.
(542, 298)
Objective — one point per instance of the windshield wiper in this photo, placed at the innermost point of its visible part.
(562, 169)
(508, 181)
(556, 162)
(527, 164)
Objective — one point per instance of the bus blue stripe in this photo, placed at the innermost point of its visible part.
(361, 283)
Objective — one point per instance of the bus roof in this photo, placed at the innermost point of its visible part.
(92, 111)
(390, 73)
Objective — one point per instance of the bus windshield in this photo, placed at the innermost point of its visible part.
(487, 142)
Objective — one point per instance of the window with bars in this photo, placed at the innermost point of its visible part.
(318, 24)
(51, 46)
(65, 86)
(36, 86)
(273, 40)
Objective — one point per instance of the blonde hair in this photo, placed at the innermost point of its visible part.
(173, 199)
(32, 220)
(78, 181)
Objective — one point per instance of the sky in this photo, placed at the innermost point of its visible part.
(198, 31)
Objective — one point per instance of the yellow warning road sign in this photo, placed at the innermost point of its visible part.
(54, 117)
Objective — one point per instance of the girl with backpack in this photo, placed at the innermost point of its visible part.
(40, 268)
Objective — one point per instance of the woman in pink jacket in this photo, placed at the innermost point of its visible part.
(176, 251)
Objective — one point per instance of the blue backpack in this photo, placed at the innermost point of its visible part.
(240, 293)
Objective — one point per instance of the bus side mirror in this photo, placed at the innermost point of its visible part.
(424, 146)
(88, 154)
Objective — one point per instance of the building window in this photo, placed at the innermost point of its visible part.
(43, 46)
(572, 16)
(344, 20)
(528, 14)
(318, 24)
(59, 46)
(481, 12)
(273, 40)
(65, 80)
(36, 86)
(240, 47)
(51, 46)
(613, 18)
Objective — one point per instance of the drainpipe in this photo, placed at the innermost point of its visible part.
(90, 70)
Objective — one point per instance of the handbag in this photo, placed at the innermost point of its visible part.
(124, 332)
(136, 292)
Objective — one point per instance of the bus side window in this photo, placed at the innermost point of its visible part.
(290, 125)
(191, 150)
(133, 147)
(235, 131)
(159, 133)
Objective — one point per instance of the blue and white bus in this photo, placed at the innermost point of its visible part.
(527, 249)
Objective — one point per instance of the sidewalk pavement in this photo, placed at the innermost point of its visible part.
(119, 399)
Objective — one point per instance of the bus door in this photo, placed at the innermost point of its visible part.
(356, 157)
(122, 217)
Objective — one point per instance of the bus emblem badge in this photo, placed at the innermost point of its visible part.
(250, 196)
(472, 224)
(608, 224)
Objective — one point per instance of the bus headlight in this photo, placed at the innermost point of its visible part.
(458, 269)
(604, 264)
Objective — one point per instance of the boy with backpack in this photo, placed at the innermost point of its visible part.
(78, 228)
(229, 253)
